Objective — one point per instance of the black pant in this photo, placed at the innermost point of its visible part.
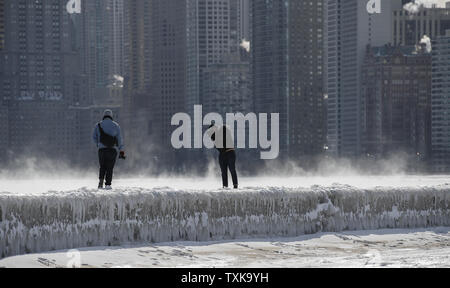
(107, 158)
(227, 160)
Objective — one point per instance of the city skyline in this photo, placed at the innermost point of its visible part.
(148, 60)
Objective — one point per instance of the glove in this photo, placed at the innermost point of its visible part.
(122, 155)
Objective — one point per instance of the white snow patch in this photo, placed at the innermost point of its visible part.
(49, 221)
(380, 248)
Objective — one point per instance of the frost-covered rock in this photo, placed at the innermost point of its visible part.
(83, 218)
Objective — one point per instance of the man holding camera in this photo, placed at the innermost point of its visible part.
(108, 138)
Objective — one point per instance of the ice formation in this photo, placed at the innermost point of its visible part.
(85, 218)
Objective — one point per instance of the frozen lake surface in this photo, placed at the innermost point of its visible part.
(36, 186)
(381, 248)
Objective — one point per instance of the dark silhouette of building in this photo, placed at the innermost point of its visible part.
(137, 101)
(213, 30)
(287, 71)
(306, 75)
(396, 102)
(2, 24)
(102, 42)
(227, 85)
(40, 78)
(441, 104)
(168, 75)
(350, 28)
(155, 78)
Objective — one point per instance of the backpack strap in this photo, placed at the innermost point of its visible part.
(101, 129)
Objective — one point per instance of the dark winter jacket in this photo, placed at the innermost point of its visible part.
(227, 143)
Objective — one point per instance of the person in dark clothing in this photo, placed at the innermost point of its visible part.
(227, 153)
(107, 159)
(108, 138)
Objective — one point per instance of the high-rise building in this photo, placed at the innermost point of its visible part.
(40, 77)
(306, 127)
(350, 28)
(244, 19)
(168, 75)
(441, 103)
(137, 101)
(396, 102)
(287, 70)
(213, 30)
(98, 40)
(409, 27)
(115, 14)
(270, 61)
(169, 44)
(2, 24)
(4, 122)
(102, 42)
(228, 85)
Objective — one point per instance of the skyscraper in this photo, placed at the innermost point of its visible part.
(2, 24)
(396, 102)
(41, 77)
(350, 29)
(138, 68)
(115, 13)
(102, 42)
(305, 75)
(440, 103)
(287, 70)
(168, 75)
(213, 30)
(228, 85)
(4, 119)
(244, 19)
(270, 61)
(99, 31)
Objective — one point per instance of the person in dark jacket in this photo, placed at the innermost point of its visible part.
(108, 138)
(223, 141)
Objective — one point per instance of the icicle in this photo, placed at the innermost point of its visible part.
(84, 218)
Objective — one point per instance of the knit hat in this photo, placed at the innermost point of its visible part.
(108, 113)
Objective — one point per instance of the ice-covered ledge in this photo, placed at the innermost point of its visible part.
(83, 218)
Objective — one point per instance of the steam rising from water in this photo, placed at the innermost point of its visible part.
(35, 176)
(415, 6)
(427, 41)
(36, 167)
(245, 44)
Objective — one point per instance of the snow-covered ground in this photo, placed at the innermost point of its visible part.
(39, 186)
(42, 215)
(381, 248)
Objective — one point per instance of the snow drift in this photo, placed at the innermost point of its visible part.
(84, 218)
